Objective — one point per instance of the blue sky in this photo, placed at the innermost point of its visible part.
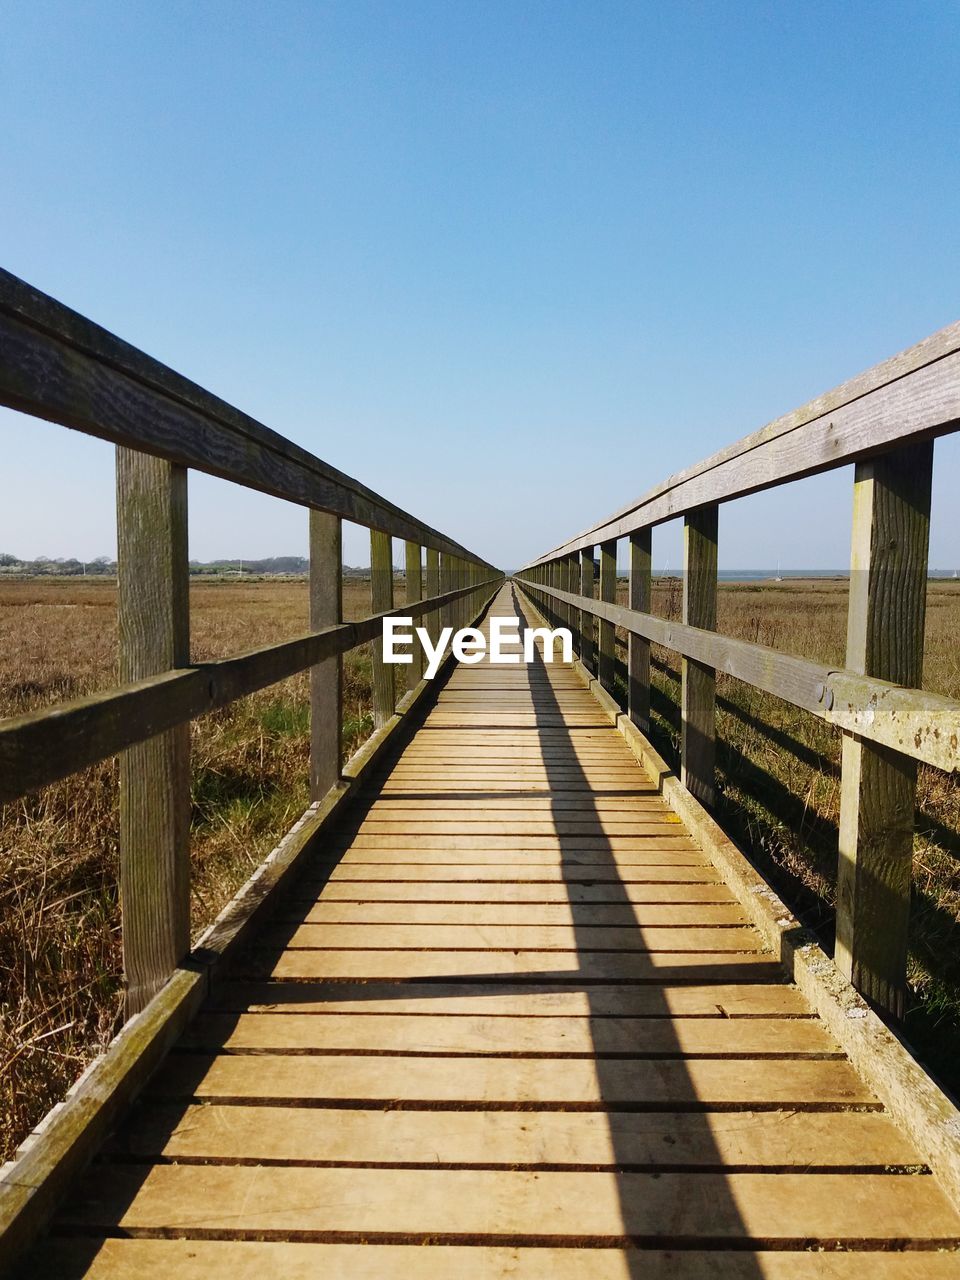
(509, 263)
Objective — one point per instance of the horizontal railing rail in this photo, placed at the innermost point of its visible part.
(48, 745)
(912, 397)
(57, 365)
(884, 422)
(912, 721)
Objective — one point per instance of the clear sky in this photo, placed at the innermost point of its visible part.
(509, 263)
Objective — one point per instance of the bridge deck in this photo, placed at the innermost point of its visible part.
(515, 1015)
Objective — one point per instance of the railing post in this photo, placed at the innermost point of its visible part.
(699, 683)
(587, 620)
(447, 617)
(326, 678)
(571, 577)
(381, 599)
(607, 631)
(154, 625)
(560, 582)
(638, 651)
(413, 573)
(888, 588)
(431, 586)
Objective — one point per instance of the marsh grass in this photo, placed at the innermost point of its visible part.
(60, 965)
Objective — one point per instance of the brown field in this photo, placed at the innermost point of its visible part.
(59, 911)
(59, 906)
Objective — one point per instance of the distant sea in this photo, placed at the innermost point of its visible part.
(771, 575)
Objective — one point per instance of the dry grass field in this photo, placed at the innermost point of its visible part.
(779, 781)
(59, 911)
(60, 971)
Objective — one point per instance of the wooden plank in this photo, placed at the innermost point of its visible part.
(571, 771)
(699, 682)
(541, 1037)
(887, 604)
(608, 591)
(737, 1140)
(653, 831)
(600, 832)
(647, 822)
(560, 891)
(469, 810)
(326, 678)
(504, 966)
(912, 396)
(508, 913)
(56, 364)
(625, 940)
(678, 1085)
(50, 744)
(154, 633)
(105, 1259)
(463, 786)
(381, 600)
(789, 1208)
(506, 857)
(524, 852)
(704, 999)
(561, 872)
(638, 648)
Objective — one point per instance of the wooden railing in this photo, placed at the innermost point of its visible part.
(884, 422)
(55, 364)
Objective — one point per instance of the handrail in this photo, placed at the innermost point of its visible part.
(58, 365)
(913, 396)
(912, 721)
(884, 421)
(47, 745)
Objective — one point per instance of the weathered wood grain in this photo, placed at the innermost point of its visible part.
(326, 678)
(381, 601)
(56, 364)
(587, 624)
(413, 575)
(638, 647)
(914, 395)
(431, 586)
(888, 587)
(606, 637)
(698, 682)
(102, 1258)
(154, 627)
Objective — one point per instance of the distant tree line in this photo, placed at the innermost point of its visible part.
(104, 566)
(101, 566)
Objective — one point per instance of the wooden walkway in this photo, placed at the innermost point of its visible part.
(517, 1017)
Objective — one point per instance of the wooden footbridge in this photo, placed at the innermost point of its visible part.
(506, 1001)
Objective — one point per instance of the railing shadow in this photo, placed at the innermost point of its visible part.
(565, 773)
